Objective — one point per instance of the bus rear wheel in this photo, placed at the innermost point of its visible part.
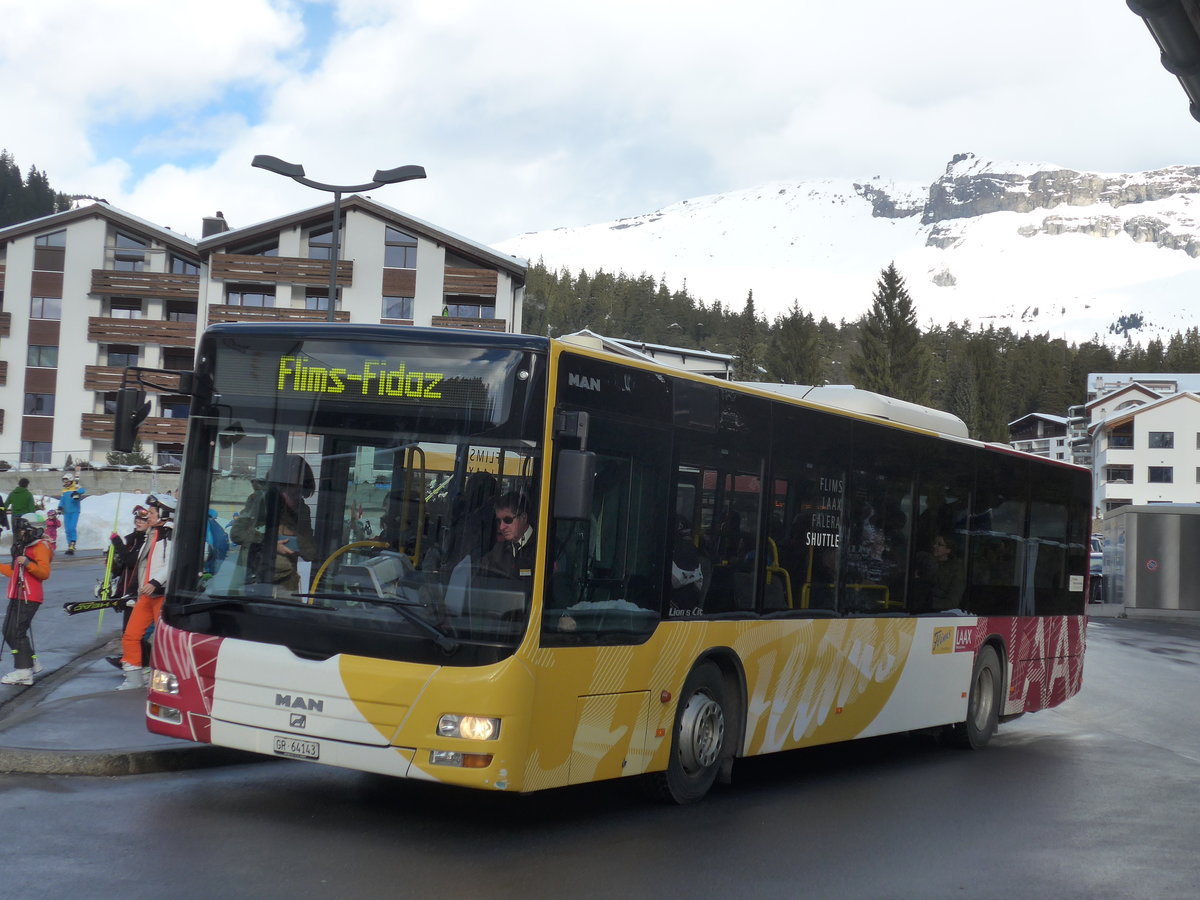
(699, 738)
(983, 704)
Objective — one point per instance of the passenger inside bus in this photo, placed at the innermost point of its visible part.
(689, 583)
(275, 512)
(939, 578)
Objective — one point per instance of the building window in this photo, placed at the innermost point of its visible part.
(400, 250)
(1110, 505)
(1162, 440)
(178, 359)
(42, 356)
(122, 355)
(110, 402)
(125, 308)
(50, 251)
(470, 308)
(39, 404)
(181, 266)
(175, 407)
(45, 308)
(320, 242)
(1118, 474)
(35, 452)
(397, 307)
(180, 310)
(266, 248)
(249, 295)
(129, 253)
(1121, 437)
(1160, 475)
(315, 298)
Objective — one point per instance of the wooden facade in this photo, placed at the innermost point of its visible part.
(278, 270)
(104, 330)
(145, 284)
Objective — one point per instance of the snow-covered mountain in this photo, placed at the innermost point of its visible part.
(1031, 246)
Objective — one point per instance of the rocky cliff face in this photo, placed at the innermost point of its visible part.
(972, 188)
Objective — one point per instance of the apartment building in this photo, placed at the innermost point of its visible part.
(1145, 444)
(1040, 434)
(86, 292)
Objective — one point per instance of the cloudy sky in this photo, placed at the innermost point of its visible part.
(534, 114)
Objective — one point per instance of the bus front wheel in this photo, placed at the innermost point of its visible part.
(983, 704)
(699, 738)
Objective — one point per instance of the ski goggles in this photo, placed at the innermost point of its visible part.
(141, 513)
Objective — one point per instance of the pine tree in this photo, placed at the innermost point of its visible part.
(891, 359)
(793, 354)
(746, 366)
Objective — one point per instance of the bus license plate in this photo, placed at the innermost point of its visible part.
(296, 748)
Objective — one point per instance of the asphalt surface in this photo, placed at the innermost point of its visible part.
(72, 721)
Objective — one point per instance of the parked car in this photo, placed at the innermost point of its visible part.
(1096, 589)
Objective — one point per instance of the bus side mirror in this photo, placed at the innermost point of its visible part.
(574, 483)
(132, 409)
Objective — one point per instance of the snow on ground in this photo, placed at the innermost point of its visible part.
(99, 516)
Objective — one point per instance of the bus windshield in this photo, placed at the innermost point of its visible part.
(338, 523)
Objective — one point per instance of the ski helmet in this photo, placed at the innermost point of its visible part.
(34, 521)
(165, 504)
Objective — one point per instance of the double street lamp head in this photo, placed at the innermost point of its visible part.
(295, 171)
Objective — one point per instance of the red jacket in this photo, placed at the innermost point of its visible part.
(33, 572)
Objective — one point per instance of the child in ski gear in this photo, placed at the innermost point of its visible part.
(68, 504)
(151, 569)
(29, 568)
(52, 523)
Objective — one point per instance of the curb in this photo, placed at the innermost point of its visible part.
(20, 761)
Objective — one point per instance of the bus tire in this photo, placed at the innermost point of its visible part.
(698, 743)
(983, 704)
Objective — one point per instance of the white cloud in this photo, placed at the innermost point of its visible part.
(529, 115)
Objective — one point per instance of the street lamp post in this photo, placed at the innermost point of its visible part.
(295, 171)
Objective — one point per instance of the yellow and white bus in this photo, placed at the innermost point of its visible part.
(703, 571)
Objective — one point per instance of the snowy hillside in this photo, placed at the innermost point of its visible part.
(1031, 246)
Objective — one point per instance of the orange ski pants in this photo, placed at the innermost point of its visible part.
(144, 614)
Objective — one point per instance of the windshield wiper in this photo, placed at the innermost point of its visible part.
(442, 640)
(216, 601)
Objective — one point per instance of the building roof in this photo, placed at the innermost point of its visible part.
(100, 210)
(1045, 417)
(1175, 26)
(512, 264)
(1127, 415)
(1132, 387)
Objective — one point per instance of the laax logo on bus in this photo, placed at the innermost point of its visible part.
(377, 378)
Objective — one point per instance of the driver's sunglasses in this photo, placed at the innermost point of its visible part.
(507, 520)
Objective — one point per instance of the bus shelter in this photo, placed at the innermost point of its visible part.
(1151, 563)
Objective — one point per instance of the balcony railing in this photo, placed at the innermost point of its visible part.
(469, 281)
(3, 371)
(108, 378)
(145, 284)
(475, 324)
(278, 269)
(141, 331)
(224, 313)
(99, 427)
(5, 324)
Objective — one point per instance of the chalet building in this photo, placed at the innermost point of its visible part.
(86, 292)
(1143, 431)
(1040, 434)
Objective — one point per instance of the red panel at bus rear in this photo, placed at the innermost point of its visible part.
(192, 659)
(1045, 655)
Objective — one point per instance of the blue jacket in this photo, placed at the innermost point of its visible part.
(70, 500)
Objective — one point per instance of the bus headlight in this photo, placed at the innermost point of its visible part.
(473, 728)
(164, 682)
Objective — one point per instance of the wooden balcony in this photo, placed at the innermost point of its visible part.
(141, 331)
(278, 269)
(145, 284)
(108, 378)
(473, 324)
(3, 371)
(5, 324)
(222, 313)
(480, 282)
(99, 427)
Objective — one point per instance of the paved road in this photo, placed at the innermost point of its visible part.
(1096, 799)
